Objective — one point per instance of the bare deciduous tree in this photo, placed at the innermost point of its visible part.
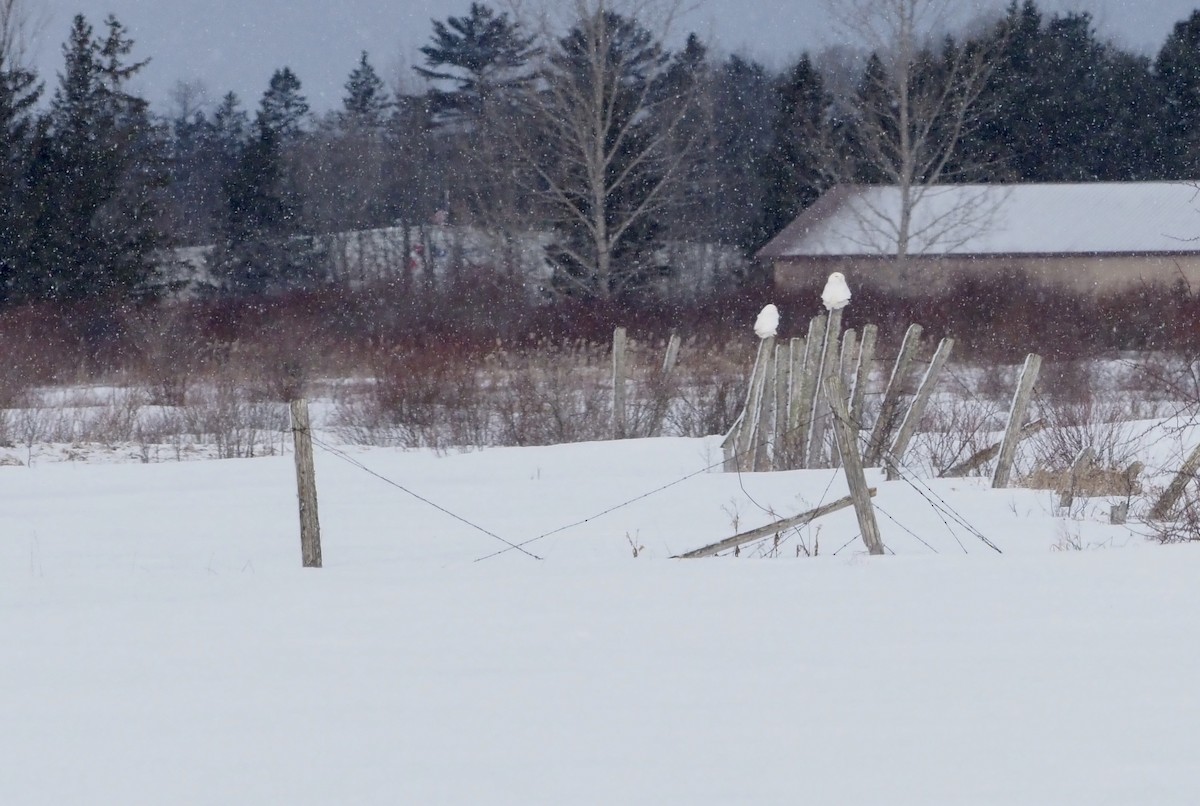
(609, 143)
(914, 107)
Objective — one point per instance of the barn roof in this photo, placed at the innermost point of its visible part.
(1028, 219)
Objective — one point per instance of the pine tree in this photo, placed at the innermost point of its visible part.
(801, 163)
(99, 169)
(19, 93)
(484, 54)
(263, 250)
(1177, 70)
(366, 102)
(283, 109)
(604, 127)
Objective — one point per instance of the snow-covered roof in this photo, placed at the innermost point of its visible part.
(1034, 219)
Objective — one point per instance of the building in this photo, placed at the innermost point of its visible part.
(1087, 237)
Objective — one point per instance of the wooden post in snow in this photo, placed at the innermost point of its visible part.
(820, 404)
(1170, 496)
(769, 529)
(847, 443)
(862, 371)
(988, 454)
(783, 378)
(803, 391)
(306, 486)
(619, 373)
(891, 397)
(1016, 418)
(845, 369)
(1083, 461)
(765, 428)
(916, 410)
(746, 439)
(668, 366)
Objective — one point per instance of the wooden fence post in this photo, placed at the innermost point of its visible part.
(916, 410)
(619, 374)
(1083, 461)
(663, 399)
(1166, 502)
(306, 486)
(803, 390)
(820, 404)
(783, 366)
(769, 529)
(745, 443)
(1016, 418)
(847, 442)
(862, 372)
(891, 397)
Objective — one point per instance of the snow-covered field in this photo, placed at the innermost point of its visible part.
(161, 644)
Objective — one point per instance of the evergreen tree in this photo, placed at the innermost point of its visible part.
(283, 109)
(99, 170)
(263, 250)
(366, 102)
(801, 163)
(483, 54)
(1177, 71)
(604, 131)
(19, 93)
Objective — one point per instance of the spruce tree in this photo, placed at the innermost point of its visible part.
(263, 250)
(99, 170)
(366, 102)
(19, 93)
(800, 164)
(483, 54)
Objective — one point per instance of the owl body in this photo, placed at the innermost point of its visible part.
(836, 294)
(767, 323)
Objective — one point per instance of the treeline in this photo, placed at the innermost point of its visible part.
(596, 134)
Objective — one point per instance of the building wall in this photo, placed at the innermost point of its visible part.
(1079, 274)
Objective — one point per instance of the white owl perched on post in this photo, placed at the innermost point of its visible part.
(767, 323)
(836, 294)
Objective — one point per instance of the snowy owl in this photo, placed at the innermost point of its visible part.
(767, 323)
(836, 294)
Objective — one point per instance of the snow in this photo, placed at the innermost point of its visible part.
(767, 323)
(163, 646)
(1030, 219)
(836, 294)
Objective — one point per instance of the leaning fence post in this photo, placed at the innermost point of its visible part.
(916, 410)
(1166, 502)
(1016, 417)
(306, 486)
(746, 439)
(847, 441)
(891, 397)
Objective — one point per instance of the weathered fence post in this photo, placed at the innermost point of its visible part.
(306, 486)
(619, 374)
(662, 405)
(916, 410)
(820, 404)
(1166, 502)
(891, 397)
(862, 371)
(1083, 461)
(803, 391)
(745, 440)
(1016, 418)
(783, 366)
(847, 441)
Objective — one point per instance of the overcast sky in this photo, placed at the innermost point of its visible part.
(237, 44)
